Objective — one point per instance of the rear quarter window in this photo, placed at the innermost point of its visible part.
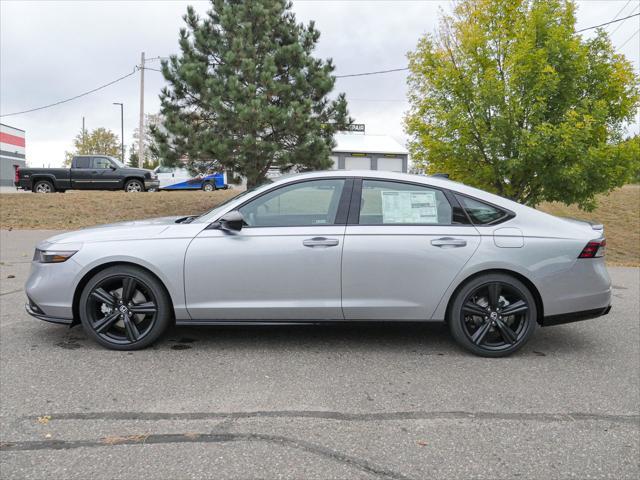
(482, 213)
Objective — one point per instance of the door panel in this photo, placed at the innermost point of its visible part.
(265, 273)
(284, 264)
(401, 272)
(405, 245)
(105, 176)
(82, 173)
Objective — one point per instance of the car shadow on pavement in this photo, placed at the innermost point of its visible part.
(433, 337)
(418, 338)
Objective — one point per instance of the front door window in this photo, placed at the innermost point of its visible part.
(301, 204)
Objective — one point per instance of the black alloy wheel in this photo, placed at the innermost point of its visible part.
(124, 308)
(493, 315)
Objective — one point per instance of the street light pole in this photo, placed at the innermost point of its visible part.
(121, 129)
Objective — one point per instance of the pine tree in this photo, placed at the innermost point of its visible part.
(247, 94)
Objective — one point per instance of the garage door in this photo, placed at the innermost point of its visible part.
(334, 159)
(357, 163)
(390, 164)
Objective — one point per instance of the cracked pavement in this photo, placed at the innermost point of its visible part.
(381, 401)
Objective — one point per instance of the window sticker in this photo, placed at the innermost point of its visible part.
(409, 207)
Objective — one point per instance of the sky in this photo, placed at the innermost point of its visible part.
(50, 51)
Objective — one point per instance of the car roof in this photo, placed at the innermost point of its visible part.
(439, 182)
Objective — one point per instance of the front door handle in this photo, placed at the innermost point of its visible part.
(320, 242)
(448, 242)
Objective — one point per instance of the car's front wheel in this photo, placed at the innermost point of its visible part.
(493, 315)
(124, 308)
(134, 186)
(208, 187)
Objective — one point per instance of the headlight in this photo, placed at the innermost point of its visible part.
(153, 176)
(52, 256)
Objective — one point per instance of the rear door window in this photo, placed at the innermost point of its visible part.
(82, 162)
(395, 203)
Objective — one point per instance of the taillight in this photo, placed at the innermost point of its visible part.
(17, 177)
(594, 249)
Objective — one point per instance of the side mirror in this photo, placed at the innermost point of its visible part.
(113, 167)
(232, 221)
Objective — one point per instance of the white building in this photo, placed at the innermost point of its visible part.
(369, 152)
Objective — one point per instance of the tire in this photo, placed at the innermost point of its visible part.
(43, 186)
(209, 187)
(493, 315)
(124, 308)
(133, 186)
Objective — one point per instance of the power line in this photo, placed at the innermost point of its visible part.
(73, 98)
(607, 23)
(372, 73)
(620, 11)
(629, 39)
(618, 27)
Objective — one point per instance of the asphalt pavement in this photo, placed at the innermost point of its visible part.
(344, 402)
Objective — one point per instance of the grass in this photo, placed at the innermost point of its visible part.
(619, 211)
(76, 209)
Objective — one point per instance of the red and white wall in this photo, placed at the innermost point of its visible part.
(12, 153)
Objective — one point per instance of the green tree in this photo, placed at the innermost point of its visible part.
(246, 93)
(100, 141)
(506, 96)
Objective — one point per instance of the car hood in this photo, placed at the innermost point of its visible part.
(136, 171)
(130, 230)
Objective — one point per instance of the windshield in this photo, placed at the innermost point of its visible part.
(219, 207)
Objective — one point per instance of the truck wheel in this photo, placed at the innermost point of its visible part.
(43, 186)
(208, 187)
(134, 186)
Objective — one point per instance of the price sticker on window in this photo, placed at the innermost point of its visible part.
(409, 207)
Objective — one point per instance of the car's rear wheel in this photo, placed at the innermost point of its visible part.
(493, 315)
(124, 308)
(133, 186)
(208, 187)
(43, 186)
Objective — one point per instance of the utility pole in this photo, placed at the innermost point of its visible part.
(121, 130)
(83, 134)
(141, 125)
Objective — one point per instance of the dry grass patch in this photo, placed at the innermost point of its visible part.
(75, 209)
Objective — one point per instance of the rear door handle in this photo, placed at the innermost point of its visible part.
(320, 242)
(448, 242)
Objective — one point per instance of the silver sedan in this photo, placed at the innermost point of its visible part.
(340, 246)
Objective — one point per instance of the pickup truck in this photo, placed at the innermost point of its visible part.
(87, 172)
